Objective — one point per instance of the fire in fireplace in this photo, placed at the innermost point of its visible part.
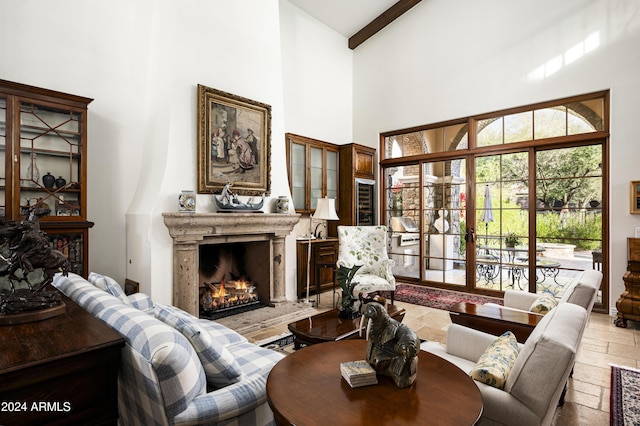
(226, 285)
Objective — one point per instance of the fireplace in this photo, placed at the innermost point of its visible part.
(262, 235)
(231, 277)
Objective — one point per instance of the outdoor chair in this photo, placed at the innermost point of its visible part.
(367, 246)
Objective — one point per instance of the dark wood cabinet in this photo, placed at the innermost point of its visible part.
(43, 138)
(628, 305)
(356, 205)
(324, 255)
(62, 370)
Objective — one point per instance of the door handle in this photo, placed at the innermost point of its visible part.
(470, 235)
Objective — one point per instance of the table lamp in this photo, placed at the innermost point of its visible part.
(325, 210)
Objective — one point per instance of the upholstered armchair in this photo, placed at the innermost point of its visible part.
(367, 246)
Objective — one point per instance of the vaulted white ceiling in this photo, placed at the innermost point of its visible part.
(347, 17)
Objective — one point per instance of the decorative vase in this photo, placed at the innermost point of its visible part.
(60, 182)
(282, 204)
(32, 171)
(48, 180)
(187, 201)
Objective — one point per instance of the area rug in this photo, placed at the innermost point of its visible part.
(282, 343)
(625, 396)
(436, 298)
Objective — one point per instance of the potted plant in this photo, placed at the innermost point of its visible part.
(511, 239)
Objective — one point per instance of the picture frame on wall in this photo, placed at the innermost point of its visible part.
(234, 143)
(635, 197)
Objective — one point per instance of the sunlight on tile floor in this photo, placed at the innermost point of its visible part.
(587, 398)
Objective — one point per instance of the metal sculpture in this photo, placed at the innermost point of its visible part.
(27, 266)
(392, 347)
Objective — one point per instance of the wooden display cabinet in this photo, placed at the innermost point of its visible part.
(356, 205)
(312, 167)
(628, 305)
(43, 138)
(324, 255)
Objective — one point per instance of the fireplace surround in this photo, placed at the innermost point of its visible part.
(191, 230)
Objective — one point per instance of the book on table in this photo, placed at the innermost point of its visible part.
(358, 373)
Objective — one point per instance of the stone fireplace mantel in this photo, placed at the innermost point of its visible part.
(190, 230)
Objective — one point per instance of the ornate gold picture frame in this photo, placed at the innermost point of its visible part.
(234, 145)
(635, 197)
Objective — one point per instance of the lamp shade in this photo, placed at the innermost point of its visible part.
(326, 209)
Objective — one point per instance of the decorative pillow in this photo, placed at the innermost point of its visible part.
(543, 304)
(219, 365)
(495, 363)
(109, 285)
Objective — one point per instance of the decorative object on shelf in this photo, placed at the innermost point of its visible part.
(234, 143)
(229, 201)
(282, 204)
(187, 201)
(28, 265)
(33, 173)
(60, 182)
(48, 180)
(392, 347)
(345, 281)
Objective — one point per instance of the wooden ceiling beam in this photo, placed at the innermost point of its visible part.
(387, 17)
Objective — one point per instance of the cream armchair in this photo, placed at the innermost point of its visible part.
(367, 246)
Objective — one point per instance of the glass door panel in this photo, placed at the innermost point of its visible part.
(298, 175)
(568, 215)
(501, 210)
(315, 171)
(444, 221)
(402, 217)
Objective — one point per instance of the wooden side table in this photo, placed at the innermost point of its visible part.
(62, 370)
(324, 255)
(493, 320)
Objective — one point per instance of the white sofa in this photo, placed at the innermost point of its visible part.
(582, 291)
(161, 379)
(536, 381)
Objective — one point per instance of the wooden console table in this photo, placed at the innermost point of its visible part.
(493, 320)
(62, 370)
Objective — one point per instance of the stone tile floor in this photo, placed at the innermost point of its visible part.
(587, 398)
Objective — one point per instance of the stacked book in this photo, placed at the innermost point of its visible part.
(358, 373)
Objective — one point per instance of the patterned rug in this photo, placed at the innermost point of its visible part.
(625, 396)
(436, 298)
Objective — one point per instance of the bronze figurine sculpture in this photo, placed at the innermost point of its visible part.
(392, 347)
(27, 266)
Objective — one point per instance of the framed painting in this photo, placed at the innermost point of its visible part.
(635, 197)
(234, 143)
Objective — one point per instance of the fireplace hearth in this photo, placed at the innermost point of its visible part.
(261, 236)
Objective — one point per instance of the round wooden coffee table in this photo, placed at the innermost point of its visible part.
(306, 388)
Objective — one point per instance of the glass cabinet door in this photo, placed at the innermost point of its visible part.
(312, 167)
(50, 154)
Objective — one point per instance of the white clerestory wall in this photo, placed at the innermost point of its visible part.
(141, 61)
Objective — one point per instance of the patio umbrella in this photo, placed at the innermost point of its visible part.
(487, 214)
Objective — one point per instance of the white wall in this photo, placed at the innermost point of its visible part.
(447, 59)
(141, 61)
